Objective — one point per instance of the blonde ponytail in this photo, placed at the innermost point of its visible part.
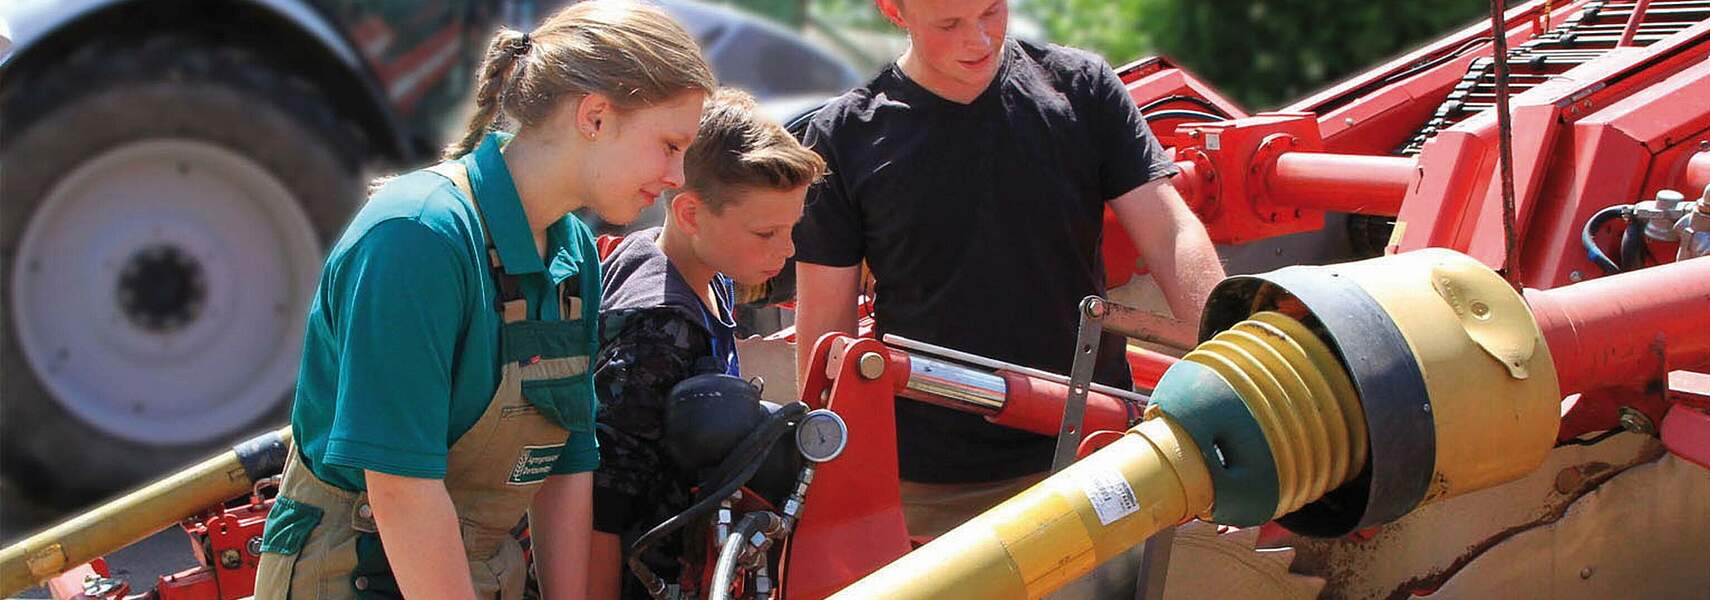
(631, 53)
(502, 54)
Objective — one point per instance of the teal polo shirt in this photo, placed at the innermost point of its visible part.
(401, 356)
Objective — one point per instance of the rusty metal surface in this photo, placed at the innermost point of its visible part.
(1462, 547)
(1206, 561)
(1641, 534)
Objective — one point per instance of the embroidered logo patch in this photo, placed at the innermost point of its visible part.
(533, 464)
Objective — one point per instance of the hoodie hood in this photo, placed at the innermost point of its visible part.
(639, 277)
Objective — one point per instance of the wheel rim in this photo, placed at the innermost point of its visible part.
(159, 288)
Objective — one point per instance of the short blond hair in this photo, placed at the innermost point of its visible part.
(737, 148)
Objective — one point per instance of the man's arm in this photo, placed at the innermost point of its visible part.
(560, 522)
(1173, 243)
(825, 303)
(419, 527)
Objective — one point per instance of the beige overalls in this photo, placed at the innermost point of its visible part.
(492, 474)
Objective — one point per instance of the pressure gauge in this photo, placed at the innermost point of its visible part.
(821, 435)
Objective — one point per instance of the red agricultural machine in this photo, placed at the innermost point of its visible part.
(1507, 396)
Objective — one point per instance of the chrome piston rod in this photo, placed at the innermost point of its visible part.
(953, 370)
(953, 386)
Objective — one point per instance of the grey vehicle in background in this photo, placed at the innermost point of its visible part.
(173, 171)
(771, 62)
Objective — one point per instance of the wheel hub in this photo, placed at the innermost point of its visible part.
(162, 289)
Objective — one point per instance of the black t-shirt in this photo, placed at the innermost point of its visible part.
(981, 224)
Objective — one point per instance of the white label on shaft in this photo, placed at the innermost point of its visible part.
(1109, 493)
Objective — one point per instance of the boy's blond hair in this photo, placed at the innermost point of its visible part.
(736, 148)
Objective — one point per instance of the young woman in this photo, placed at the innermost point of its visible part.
(444, 388)
(667, 312)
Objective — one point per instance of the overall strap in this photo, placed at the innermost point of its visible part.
(510, 303)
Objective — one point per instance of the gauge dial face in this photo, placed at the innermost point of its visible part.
(821, 435)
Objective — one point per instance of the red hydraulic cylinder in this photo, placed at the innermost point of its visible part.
(1036, 405)
(1352, 183)
(1629, 328)
(1148, 367)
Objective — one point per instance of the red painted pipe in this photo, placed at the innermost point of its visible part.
(1367, 185)
(1627, 329)
(1191, 184)
(1697, 176)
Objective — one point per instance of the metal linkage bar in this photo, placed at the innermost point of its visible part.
(1094, 314)
(1098, 316)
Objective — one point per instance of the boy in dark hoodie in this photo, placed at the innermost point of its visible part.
(667, 313)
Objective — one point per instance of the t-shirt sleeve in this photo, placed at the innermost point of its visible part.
(398, 303)
(581, 455)
(1129, 155)
(830, 232)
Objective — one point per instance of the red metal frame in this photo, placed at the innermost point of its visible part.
(1580, 145)
(852, 521)
(1614, 130)
(229, 541)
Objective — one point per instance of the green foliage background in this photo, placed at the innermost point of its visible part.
(1261, 53)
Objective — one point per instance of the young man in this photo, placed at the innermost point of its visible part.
(971, 176)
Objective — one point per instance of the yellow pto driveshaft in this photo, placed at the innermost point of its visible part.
(141, 513)
(1329, 399)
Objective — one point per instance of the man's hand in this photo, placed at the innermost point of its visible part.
(825, 302)
(418, 526)
(561, 521)
(1174, 244)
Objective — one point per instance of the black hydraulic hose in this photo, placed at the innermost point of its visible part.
(1587, 239)
(725, 570)
(654, 586)
(1182, 113)
(1633, 250)
(1433, 62)
(1417, 68)
(735, 471)
(1194, 100)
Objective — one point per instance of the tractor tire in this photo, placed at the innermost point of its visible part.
(167, 202)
